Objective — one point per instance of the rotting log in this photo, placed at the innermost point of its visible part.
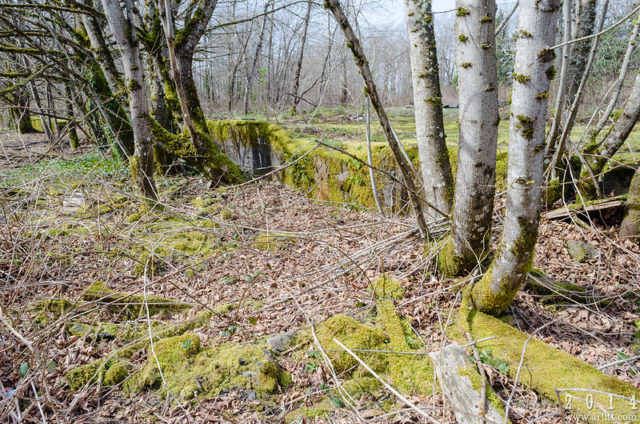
(461, 384)
(583, 390)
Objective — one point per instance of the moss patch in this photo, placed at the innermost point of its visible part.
(545, 368)
(190, 370)
(386, 287)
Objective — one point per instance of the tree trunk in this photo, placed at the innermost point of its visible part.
(427, 101)
(74, 141)
(405, 168)
(256, 57)
(630, 227)
(209, 158)
(532, 70)
(303, 42)
(478, 122)
(124, 33)
(102, 53)
(20, 116)
(562, 81)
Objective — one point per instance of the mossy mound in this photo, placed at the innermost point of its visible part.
(408, 373)
(386, 288)
(165, 239)
(190, 370)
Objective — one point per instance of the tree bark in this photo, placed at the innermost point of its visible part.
(354, 45)
(20, 115)
(469, 242)
(427, 101)
(495, 291)
(124, 32)
(74, 141)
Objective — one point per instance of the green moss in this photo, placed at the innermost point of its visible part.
(544, 368)
(130, 305)
(116, 374)
(354, 335)
(387, 288)
(272, 241)
(408, 373)
(190, 370)
(521, 78)
(542, 96)
(466, 65)
(463, 38)
(461, 11)
(550, 72)
(486, 19)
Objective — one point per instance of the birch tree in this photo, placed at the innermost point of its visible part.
(427, 101)
(124, 32)
(478, 122)
(532, 73)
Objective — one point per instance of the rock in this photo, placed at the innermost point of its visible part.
(280, 342)
(252, 396)
(241, 361)
(581, 251)
(250, 374)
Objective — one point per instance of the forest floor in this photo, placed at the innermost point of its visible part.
(268, 261)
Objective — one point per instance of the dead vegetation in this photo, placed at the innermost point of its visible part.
(212, 272)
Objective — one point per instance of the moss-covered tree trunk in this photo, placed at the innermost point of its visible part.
(20, 116)
(427, 101)
(532, 71)
(630, 227)
(597, 154)
(123, 31)
(478, 121)
(74, 142)
(181, 47)
(107, 83)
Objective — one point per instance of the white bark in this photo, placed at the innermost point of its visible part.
(478, 117)
(495, 291)
(427, 101)
(124, 32)
(459, 380)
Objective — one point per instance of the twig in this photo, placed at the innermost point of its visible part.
(482, 409)
(560, 407)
